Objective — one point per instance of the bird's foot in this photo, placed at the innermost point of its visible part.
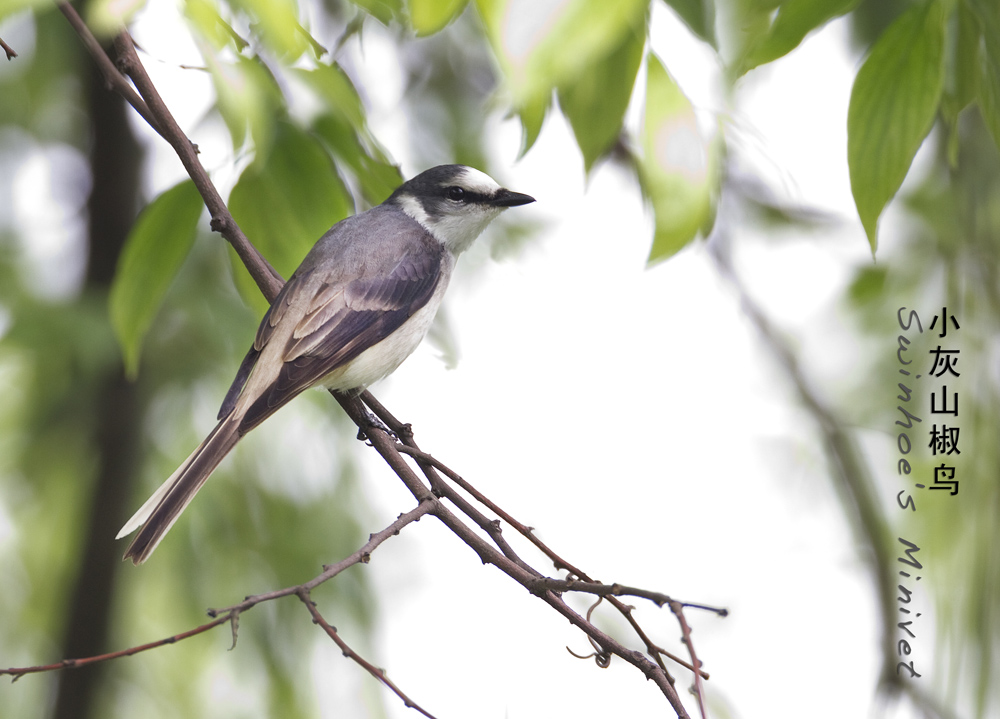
(373, 422)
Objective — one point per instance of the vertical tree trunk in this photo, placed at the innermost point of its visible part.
(115, 160)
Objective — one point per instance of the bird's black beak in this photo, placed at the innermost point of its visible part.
(506, 198)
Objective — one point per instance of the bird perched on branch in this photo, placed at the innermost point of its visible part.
(357, 306)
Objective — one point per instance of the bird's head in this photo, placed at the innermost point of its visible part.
(454, 203)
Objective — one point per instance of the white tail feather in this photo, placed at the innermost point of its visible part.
(142, 514)
(155, 518)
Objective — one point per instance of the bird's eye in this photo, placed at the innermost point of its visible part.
(456, 193)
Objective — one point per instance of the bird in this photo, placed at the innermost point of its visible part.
(359, 304)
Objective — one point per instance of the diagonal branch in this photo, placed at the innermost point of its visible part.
(579, 580)
(267, 279)
(386, 445)
(153, 110)
(18, 672)
(351, 654)
(114, 78)
(699, 690)
(330, 571)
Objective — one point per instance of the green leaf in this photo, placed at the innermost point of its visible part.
(699, 15)
(989, 91)
(430, 16)
(595, 102)
(988, 14)
(203, 16)
(532, 116)
(538, 54)
(376, 176)
(677, 171)
(344, 128)
(382, 10)
(964, 81)
(285, 203)
(794, 20)
(335, 89)
(747, 23)
(277, 24)
(893, 104)
(153, 253)
(247, 98)
(962, 73)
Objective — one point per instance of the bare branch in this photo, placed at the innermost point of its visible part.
(583, 583)
(379, 674)
(18, 672)
(618, 590)
(678, 609)
(116, 81)
(332, 570)
(152, 109)
(387, 446)
(232, 614)
(526, 531)
(8, 50)
(267, 279)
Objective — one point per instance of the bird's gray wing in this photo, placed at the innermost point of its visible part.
(274, 313)
(342, 320)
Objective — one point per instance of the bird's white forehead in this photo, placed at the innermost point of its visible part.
(472, 179)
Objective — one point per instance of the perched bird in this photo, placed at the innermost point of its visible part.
(357, 306)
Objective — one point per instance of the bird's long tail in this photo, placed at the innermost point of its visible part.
(161, 510)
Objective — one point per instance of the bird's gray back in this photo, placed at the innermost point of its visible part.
(368, 244)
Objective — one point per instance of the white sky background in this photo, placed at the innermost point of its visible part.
(631, 415)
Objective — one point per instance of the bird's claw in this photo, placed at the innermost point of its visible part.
(374, 422)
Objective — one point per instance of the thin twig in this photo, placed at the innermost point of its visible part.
(7, 49)
(524, 530)
(386, 445)
(379, 674)
(232, 614)
(428, 464)
(625, 610)
(610, 591)
(332, 570)
(620, 590)
(18, 672)
(699, 690)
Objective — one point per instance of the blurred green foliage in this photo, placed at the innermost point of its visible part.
(929, 63)
(893, 105)
(160, 240)
(949, 261)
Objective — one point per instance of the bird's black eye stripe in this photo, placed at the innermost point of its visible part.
(466, 197)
